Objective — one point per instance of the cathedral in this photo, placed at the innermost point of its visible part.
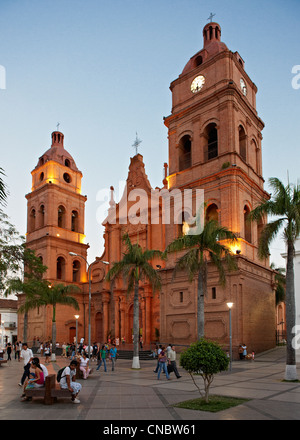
(215, 145)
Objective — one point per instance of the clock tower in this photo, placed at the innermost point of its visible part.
(214, 135)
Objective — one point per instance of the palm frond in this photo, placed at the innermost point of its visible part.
(268, 234)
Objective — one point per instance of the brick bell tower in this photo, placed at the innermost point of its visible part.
(55, 214)
(55, 227)
(215, 139)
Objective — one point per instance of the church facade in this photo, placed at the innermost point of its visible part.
(215, 145)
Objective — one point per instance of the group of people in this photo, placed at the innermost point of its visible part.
(35, 373)
(9, 348)
(107, 352)
(242, 351)
(166, 361)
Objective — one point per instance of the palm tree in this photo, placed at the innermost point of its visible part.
(279, 283)
(204, 248)
(3, 189)
(284, 205)
(30, 280)
(135, 266)
(47, 294)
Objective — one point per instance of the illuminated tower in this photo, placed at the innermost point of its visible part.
(214, 135)
(55, 214)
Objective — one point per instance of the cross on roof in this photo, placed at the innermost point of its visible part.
(136, 144)
(57, 126)
(211, 16)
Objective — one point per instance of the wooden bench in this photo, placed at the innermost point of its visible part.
(50, 392)
(3, 361)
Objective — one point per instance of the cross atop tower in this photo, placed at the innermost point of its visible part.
(136, 144)
(57, 126)
(211, 16)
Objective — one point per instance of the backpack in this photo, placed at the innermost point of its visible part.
(59, 374)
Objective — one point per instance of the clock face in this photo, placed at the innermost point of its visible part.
(243, 87)
(197, 83)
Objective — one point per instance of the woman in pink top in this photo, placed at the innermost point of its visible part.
(36, 379)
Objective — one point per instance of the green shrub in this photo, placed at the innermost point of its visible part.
(204, 358)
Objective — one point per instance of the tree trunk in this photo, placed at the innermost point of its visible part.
(200, 306)
(290, 371)
(136, 327)
(25, 327)
(53, 354)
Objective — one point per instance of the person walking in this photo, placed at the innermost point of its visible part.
(162, 360)
(95, 351)
(27, 356)
(102, 358)
(158, 353)
(172, 361)
(17, 351)
(47, 353)
(8, 351)
(113, 356)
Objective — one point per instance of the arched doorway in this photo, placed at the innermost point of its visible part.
(72, 334)
(99, 328)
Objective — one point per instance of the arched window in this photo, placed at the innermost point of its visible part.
(185, 153)
(260, 227)
(61, 217)
(247, 224)
(212, 213)
(211, 133)
(32, 220)
(42, 216)
(198, 60)
(60, 268)
(67, 177)
(76, 271)
(74, 221)
(67, 163)
(242, 143)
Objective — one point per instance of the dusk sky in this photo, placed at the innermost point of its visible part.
(102, 69)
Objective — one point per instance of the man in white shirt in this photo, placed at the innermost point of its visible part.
(67, 381)
(172, 361)
(27, 356)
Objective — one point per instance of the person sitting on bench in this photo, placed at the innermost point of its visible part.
(67, 381)
(36, 379)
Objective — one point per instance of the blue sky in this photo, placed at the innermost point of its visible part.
(102, 69)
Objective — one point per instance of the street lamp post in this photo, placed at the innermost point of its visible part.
(76, 317)
(229, 305)
(90, 297)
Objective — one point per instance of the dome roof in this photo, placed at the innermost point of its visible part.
(211, 47)
(58, 153)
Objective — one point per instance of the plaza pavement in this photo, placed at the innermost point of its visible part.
(126, 394)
